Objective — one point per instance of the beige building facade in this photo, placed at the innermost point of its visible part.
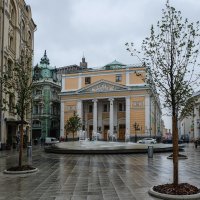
(16, 38)
(113, 99)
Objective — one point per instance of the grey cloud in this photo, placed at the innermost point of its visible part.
(100, 28)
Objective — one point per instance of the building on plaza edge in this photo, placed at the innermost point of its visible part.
(112, 99)
(46, 102)
(189, 126)
(16, 39)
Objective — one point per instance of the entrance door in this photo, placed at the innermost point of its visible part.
(90, 131)
(105, 132)
(9, 136)
(122, 129)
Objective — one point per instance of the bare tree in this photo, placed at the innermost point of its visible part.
(171, 53)
(18, 85)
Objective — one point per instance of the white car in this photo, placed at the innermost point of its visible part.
(147, 141)
(51, 140)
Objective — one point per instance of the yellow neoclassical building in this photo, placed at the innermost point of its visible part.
(111, 99)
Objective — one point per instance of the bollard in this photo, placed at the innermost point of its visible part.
(29, 151)
(29, 154)
(150, 151)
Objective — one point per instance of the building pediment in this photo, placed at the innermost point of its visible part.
(102, 86)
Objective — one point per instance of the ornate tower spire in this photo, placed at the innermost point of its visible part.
(44, 59)
(83, 64)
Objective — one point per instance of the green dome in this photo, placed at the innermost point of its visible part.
(114, 65)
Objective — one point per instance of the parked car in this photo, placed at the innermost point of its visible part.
(147, 141)
(50, 140)
(169, 141)
(185, 138)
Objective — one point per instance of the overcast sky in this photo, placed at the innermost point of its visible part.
(97, 28)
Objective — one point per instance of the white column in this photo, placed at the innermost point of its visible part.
(127, 77)
(62, 131)
(99, 111)
(80, 109)
(63, 84)
(95, 115)
(128, 106)
(111, 115)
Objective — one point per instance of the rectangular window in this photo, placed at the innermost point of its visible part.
(10, 69)
(70, 108)
(87, 80)
(118, 78)
(105, 107)
(138, 104)
(38, 92)
(121, 107)
(90, 110)
(37, 109)
(11, 103)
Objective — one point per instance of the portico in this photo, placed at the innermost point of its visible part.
(102, 115)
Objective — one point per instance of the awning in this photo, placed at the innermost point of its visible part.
(14, 121)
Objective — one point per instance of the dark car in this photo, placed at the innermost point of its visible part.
(169, 141)
(185, 138)
(197, 142)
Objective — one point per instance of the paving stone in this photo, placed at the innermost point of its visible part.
(94, 177)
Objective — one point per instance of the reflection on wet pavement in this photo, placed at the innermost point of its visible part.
(94, 177)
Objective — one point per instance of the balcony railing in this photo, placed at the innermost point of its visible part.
(36, 125)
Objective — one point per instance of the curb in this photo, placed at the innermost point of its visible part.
(21, 172)
(169, 196)
(179, 157)
(100, 148)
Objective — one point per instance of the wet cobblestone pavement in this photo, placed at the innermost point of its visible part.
(94, 177)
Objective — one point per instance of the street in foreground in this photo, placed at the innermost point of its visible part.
(94, 177)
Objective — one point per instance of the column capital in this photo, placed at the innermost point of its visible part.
(111, 99)
(94, 100)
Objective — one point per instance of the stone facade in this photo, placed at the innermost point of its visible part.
(111, 99)
(189, 127)
(16, 37)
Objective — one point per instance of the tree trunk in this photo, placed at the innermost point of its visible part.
(175, 149)
(21, 143)
(73, 136)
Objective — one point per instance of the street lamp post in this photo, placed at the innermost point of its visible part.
(150, 131)
(136, 127)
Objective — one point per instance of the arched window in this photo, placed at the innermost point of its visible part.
(29, 39)
(23, 29)
(11, 42)
(10, 68)
(12, 26)
(13, 12)
(36, 123)
(11, 103)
